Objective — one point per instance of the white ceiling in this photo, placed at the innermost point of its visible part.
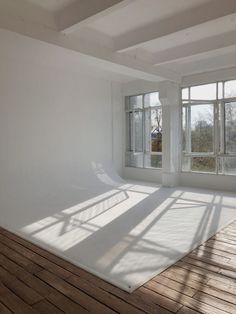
(147, 39)
(202, 63)
(141, 12)
(23, 50)
(52, 5)
(193, 34)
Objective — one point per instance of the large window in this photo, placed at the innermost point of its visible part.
(144, 131)
(209, 128)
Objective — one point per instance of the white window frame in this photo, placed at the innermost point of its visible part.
(219, 149)
(132, 145)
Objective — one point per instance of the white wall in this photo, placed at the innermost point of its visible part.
(50, 117)
(142, 174)
(208, 181)
(56, 137)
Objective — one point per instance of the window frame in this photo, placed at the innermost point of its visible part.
(219, 145)
(144, 109)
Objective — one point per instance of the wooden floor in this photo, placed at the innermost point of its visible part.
(33, 280)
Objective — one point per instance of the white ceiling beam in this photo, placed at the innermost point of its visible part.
(204, 46)
(203, 13)
(83, 12)
(94, 54)
(215, 62)
(212, 76)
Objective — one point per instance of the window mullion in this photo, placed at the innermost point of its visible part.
(216, 132)
(150, 131)
(222, 150)
(143, 129)
(133, 131)
(188, 130)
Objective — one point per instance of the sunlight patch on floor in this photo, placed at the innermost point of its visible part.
(132, 232)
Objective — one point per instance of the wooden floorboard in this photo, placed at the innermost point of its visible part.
(33, 280)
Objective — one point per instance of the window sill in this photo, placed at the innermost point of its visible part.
(209, 173)
(149, 168)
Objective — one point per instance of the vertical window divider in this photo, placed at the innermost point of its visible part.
(216, 133)
(223, 128)
(188, 129)
(223, 147)
(216, 129)
(150, 130)
(133, 111)
(143, 131)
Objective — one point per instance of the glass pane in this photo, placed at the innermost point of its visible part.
(129, 131)
(136, 102)
(147, 131)
(156, 129)
(204, 92)
(138, 119)
(151, 100)
(134, 160)
(203, 164)
(230, 89)
(230, 127)
(202, 128)
(228, 165)
(152, 161)
(185, 93)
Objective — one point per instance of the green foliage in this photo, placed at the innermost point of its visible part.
(204, 164)
(202, 142)
(202, 137)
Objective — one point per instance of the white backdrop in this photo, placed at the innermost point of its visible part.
(55, 138)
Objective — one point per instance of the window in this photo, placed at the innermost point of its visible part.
(144, 131)
(230, 127)
(209, 128)
(202, 127)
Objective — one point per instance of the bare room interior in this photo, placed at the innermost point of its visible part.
(118, 156)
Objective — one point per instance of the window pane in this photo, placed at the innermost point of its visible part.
(228, 165)
(153, 161)
(156, 130)
(136, 102)
(151, 100)
(230, 89)
(204, 92)
(202, 128)
(138, 119)
(185, 93)
(203, 164)
(134, 160)
(230, 127)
